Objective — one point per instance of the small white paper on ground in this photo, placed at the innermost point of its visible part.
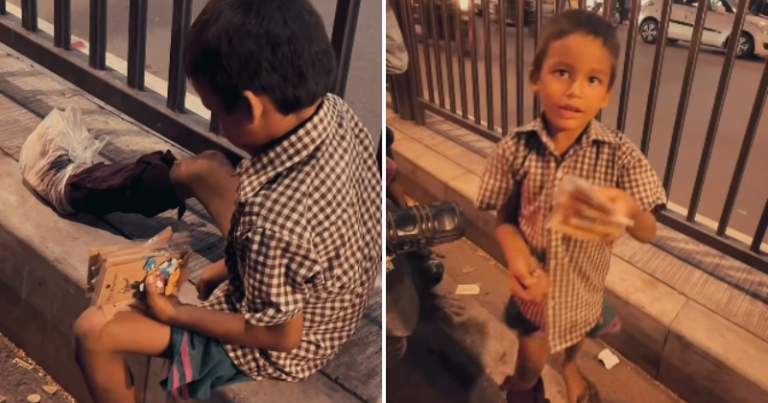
(608, 359)
(468, 289)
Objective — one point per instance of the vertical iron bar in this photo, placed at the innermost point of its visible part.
(177, 81)
(459, 18)
(214, 126)
(536, 36)
(488, 62)
(607, 9)
(137, 43)
(97, 54)
(685, 94)
(629, 59)
(436, 49)
(62, 22)
(582, 4)
(503, 67)
(425, 40)
(415, 69)
(520, 65)
(29, 15)
(3, 9)
(658, 60)
(746, 147)
(558, 6)
(449, 55)
(404, 86)
(62, 37)
(343, 40)
(473, 55)
(762, 225)
(717, 108)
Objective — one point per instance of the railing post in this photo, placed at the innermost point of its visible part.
(404, 85)
(62, 24)
(98, 34)
(177, 81)
(342, 40)
(29, 15)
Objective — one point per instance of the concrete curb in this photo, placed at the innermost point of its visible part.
(696, 353)
(42, 292)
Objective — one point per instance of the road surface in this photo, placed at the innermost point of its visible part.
(738, 105)
(364, 85)
(461, 350)
(21, 378)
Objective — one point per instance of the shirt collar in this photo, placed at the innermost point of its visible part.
(289, 149)
(595, 131)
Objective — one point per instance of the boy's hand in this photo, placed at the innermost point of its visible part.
(539, 290)
(520, 281)
(591, 217)
(161, 307)
(621, 201)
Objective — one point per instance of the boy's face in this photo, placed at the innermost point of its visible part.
(240, 127)
(574, 81)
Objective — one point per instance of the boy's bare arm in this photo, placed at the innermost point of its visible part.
(517, 253)
(644, 228)
(232, 328)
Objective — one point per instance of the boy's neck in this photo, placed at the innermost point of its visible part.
(562, 139)
(287, 125)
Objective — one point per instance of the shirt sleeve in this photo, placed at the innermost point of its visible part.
(275, 273)
(639, 180)
(498, 180)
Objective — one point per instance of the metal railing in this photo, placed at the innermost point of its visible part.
(127, 93)
(426, 44)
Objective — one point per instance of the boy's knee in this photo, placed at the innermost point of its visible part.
(527, 374)
(199, 167)
(88, 330)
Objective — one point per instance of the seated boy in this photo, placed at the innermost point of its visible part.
(557, 281)
(302, 217)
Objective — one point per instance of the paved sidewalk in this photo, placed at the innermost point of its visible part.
(42, 278)
(695, 328)
(461, 350)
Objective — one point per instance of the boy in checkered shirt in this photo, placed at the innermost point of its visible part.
(301, 217)
(557, 281)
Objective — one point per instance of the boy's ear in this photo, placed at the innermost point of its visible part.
(533, 79)
(255, 104)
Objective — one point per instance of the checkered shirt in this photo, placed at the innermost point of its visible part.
(305, 237)
(525, 162)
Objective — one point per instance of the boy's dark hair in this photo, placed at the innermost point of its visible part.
(277, 48)
(577, 22)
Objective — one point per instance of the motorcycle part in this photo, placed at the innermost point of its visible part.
(423, 226)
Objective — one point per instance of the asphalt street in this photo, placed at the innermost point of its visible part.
(738, 105)
(364, 84)
(461, 350)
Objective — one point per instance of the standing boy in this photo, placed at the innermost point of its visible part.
(302, 217)
(557, 281)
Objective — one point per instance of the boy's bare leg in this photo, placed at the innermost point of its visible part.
(532, 356)
(210, 178)
(573, 380)
(101, 344)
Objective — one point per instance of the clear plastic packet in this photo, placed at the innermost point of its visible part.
(59, 146)
(600, 223)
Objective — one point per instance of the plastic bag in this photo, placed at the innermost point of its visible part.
(599, 224)
(59, 146)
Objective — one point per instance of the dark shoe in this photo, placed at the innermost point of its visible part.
(535, 395)
(142, 187)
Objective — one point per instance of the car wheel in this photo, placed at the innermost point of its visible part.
(746, 47)
(649, 30)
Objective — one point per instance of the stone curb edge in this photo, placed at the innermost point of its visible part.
(694, 352)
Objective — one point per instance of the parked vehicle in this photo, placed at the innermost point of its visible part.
(423, 20)
(511, 10)
(615, 17)
(411, 268)
(753, 39)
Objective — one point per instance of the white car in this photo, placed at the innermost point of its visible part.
(717, 27)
